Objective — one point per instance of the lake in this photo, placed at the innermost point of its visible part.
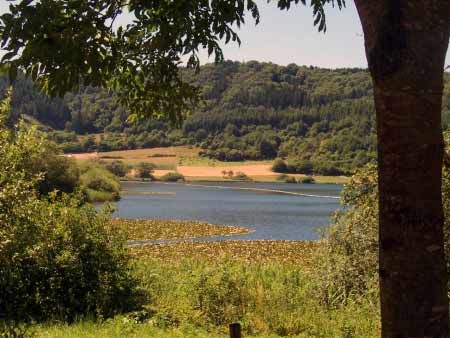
(272, 215)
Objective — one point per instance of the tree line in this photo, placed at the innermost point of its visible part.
(314, 118)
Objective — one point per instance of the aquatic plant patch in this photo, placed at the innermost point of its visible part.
(138, 229)
(249, 251)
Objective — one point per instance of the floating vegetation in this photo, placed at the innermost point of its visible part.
(249, 251)
(137, 229)
(129, 192)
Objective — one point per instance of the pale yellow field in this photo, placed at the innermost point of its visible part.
(186, 161)
(248, 169)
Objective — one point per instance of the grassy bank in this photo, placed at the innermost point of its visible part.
(197, 289)
(255, 179)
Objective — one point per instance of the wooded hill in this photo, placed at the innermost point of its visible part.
(321, 120)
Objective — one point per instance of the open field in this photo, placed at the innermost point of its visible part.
(248, 169)
(166, 158)
(187, 162)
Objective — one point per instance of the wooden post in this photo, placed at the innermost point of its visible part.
(235, 330)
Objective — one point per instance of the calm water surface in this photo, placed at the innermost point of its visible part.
(271, 215)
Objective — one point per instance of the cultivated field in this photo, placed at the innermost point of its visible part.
(186, 161)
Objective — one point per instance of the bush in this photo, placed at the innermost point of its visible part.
(172, 177)
(58, 172)
(307, 180)
(240, 176)
(282, 177)
(96, 181)
(349, 260)
(302, 167)
(290, 180)
(326, 169)
(71, 147)
(279, 166)
(59, 258)
(118, 168)
(145, 170)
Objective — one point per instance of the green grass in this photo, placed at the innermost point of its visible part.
(198, 298)
(119, 327)
(123, 327)
(196, 289)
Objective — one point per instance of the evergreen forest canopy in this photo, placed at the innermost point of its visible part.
(322, 121)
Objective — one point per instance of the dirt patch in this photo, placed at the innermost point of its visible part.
(249, 170)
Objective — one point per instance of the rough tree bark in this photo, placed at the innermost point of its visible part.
(406, 42)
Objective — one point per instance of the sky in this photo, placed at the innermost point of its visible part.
(284, 37)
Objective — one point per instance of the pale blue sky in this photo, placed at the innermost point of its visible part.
(285, 37)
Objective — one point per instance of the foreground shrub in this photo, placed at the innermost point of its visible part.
(172, 177)
(59, 258)
(348, 262)
(15, 330)
(270, 299)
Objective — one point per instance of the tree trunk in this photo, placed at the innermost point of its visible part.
(406, 43)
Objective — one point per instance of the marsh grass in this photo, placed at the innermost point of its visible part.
(271, 299)
(195, 289)
(199, 297)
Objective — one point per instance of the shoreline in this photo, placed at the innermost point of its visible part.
(255, 179)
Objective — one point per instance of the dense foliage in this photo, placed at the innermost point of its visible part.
(97, 183)
(349, 261)
(59, 258)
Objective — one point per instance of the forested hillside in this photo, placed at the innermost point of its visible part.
(321, 120)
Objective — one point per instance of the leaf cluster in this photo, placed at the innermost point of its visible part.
(62, 44)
